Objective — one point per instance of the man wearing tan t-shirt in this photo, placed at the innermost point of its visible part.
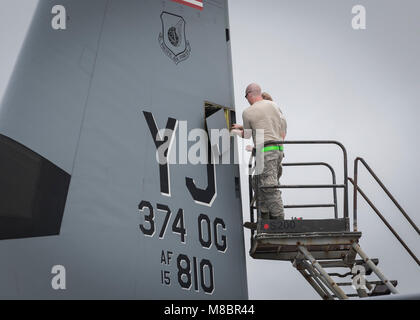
(265, 115)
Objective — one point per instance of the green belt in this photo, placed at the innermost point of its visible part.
(270, 148)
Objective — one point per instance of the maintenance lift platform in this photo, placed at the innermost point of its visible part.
(314, 246)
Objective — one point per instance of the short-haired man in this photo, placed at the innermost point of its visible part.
(265, 115)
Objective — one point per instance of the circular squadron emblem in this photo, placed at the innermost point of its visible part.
(172, 39)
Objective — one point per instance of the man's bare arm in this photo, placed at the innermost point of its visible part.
(247, 133)
(239, 130)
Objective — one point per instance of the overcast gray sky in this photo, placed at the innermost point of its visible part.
(361, 88)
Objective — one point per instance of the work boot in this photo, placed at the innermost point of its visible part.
(250, 225)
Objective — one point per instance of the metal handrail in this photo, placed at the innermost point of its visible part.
(345, 205)
(356, 162)
(251, 209)
(304, 186)
(357, 188)
(332, 174)
(333, 186)
(299, 206)
(333, 205)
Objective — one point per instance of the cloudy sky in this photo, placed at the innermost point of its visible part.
(360, 87)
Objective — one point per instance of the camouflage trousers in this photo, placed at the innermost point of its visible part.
(269, 200)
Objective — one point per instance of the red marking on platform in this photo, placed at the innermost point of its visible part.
(266, 226)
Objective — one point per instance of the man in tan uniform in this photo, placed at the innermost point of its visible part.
(265, 115)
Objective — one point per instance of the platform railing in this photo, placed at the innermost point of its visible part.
(334, 182)
(357, 190)
(332, 186)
